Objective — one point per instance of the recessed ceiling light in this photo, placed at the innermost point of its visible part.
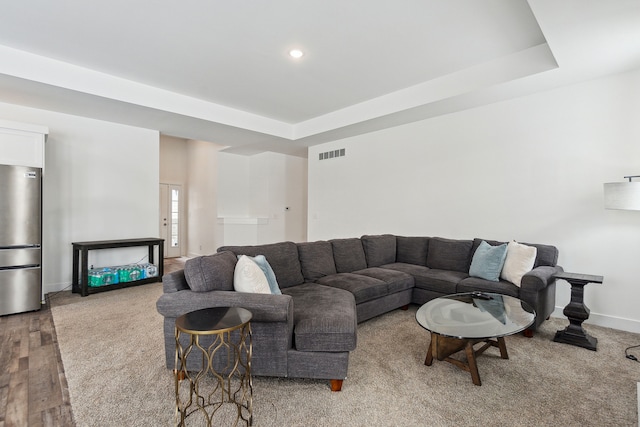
(296, 53)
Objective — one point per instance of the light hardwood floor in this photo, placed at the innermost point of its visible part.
(33, 386)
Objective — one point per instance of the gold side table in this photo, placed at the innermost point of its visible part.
(223, 387)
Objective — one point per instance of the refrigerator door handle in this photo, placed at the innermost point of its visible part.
(19, 247)
(20, 267)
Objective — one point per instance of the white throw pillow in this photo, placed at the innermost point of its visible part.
(249, 277)
(519, 261)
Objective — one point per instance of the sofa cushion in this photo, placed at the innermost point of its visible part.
(444, 281)
(411, 269)
(396, 280)
(362, 287)
(473, 284)
(380, 249)
(547, 254)
(441, 281)
(412, 250)
(211, 273)
(316, 259)
(249, 277)
(487, 261)
(264, 265)
(283, 258)
(268, 272)
(324, 318)
(348, 255)
(520, 260)
(477, 242)
(449, 254)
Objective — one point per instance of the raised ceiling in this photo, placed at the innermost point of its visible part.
(219, 70)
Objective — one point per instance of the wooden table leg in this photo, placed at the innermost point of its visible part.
(442, 347)
(429, 358)
(503, 348)
(471, 361)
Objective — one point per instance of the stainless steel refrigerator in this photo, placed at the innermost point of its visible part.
(20, 239)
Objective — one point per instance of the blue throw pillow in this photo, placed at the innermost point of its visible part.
(268, 271)
(487, 262)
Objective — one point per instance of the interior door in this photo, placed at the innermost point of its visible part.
(171, 219)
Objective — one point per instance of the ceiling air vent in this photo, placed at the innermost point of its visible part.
(331, 154)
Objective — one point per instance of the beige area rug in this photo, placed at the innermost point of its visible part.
(112, 350)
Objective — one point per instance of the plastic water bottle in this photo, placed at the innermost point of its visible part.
(125, 274)
(134, 273)
(109, 277)
(152, 270)
(95, 278)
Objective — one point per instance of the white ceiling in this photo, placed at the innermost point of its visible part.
(219, 71)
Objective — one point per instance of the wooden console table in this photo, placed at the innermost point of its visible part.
(80, 280)
(577, 312)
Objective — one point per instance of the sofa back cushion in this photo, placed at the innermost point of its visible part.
(283, 258)
(316, 259)
(348, 255)
(211, 273)
(412, 250)
(547, 255)
(379, 250)
(449, 254)
(487, 261)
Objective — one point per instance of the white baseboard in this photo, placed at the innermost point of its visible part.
(606, 321)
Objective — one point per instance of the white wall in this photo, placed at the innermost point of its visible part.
(529, 169)
(278, 192)
(238, 189)
(202, 196)
(173, 160)
(254, 194)
(234, 190)
(174, 170)
(101, 183)
(295, 198)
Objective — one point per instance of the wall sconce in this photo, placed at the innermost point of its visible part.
(622, 195)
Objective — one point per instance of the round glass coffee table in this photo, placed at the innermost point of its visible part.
(458, 322)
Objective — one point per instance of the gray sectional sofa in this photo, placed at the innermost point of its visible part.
(330, 286)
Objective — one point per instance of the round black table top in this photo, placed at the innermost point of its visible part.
(213, 320)
(476, 315)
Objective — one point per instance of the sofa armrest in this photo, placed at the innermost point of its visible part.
(264, 307)
(539, 278)
(174, 282)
